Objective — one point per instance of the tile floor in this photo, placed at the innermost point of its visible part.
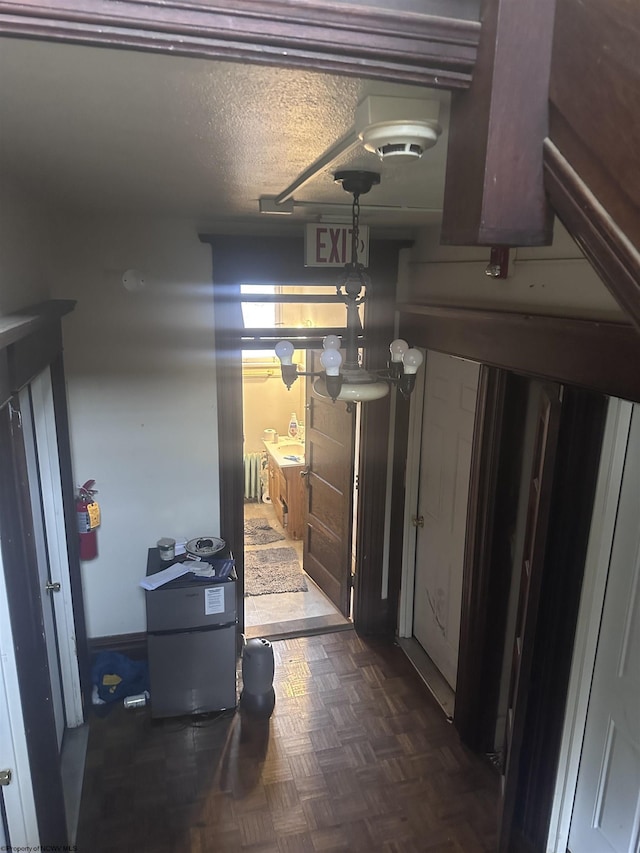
(287, 607)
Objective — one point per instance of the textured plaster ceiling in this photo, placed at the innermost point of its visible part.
(94, 129)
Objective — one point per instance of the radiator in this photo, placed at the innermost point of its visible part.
(253, 465)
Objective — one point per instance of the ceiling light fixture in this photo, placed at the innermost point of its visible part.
(345, 378)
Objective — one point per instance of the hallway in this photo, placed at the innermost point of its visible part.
(356, 756)
(288, 613)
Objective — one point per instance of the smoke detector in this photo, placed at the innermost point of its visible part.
(401, 129)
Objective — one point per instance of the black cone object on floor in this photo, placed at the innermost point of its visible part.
(258, 696)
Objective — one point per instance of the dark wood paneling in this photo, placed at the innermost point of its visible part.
(228, 321)
(599, 356)
(595, 75)
(396, 522)
(29, 357)
(329, 494)
(59, 390)
(612, 253)
(494, 191)
(485, 587)
(326, 503)
(372, 604)
(5, 383)
(547, 409)
(385, 44)
(579, 444)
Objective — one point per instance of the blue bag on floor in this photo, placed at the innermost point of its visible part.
(116, 676)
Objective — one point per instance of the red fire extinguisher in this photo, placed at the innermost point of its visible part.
(88, 515)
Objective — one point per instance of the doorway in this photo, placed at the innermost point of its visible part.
(287, 590)
(237, 260)
(444, 417)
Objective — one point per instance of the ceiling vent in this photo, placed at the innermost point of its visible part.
(397, 128)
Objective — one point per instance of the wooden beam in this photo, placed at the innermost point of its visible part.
(494, 189)
(394, 45)
(599, 356)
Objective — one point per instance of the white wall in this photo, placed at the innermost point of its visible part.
(24, 250)
(267, 404)
(142, 397)
(554, 280)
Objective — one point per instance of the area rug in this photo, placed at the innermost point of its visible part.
(258, 531)
(273, 570)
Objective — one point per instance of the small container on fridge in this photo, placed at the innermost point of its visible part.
(167, 548)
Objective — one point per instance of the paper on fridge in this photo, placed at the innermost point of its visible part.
(166, 575)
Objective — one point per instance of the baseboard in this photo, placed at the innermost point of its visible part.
(132, 645)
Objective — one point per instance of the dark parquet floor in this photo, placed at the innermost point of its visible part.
(356, 757)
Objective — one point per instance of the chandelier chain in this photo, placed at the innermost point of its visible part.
(355, 230)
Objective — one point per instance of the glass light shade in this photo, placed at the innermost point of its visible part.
(397, 349)
(331, 342)
(412, 359)
(354, 392)
(284, 351)
(331, 359)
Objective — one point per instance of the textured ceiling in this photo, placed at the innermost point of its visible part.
(100, 130)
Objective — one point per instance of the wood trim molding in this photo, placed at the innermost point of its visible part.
(403, 47)
(5, 380)
(612, 254)
(472, 688)
(14, 327)
(133, 645)
(599, 356)
(61, 410)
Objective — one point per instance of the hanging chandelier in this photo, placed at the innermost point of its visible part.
(343, 377)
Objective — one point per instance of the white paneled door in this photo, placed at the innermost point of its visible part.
(451, 386)
(606, 815)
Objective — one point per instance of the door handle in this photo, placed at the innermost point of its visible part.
(52, 587)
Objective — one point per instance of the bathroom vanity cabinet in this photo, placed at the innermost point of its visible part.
(287, 492)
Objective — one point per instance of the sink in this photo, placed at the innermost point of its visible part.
(290, 449)
(281, 450)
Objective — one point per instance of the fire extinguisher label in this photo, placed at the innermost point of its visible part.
(93, 511)
(83, 522)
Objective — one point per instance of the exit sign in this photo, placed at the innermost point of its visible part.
(329, 245)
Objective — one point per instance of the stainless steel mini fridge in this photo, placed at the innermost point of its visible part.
(191, 643)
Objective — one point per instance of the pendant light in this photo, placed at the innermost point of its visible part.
(343, 377)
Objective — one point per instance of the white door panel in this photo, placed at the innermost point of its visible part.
(17, 798)
(46, 437)
(48, 614)
(447, 436)
(606, 814)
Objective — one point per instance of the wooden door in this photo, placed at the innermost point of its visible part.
(451, 386)
(535, 535)
(607, 802)
(330, 456)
